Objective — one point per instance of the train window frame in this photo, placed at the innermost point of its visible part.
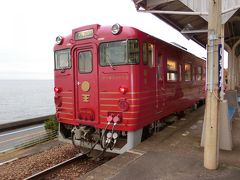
(127, 54)
(85, 72)
(69, 60)
(145, 54)
(174, 71)
(188, 71)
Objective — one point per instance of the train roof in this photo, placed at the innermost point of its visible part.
(127, 31)
(173, 44)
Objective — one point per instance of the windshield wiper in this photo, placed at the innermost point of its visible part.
(63, 70)
(109, 62)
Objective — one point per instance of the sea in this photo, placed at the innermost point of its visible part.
(25, 99)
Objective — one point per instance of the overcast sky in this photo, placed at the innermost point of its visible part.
(29, 28)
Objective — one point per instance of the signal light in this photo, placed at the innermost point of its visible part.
(123, 90)
(57, 90)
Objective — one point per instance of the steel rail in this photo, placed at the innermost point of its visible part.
(43, 173)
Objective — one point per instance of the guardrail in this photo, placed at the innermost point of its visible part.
(37, 140)
(41, 138)
(25, 122)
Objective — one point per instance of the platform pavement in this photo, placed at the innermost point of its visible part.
(172, 154)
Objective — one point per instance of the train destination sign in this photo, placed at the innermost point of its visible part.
(83, 34)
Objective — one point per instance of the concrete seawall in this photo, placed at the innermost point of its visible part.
(22, 123)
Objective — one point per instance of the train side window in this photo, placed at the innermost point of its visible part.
(148, 54)
(145, 59)
(203, 73)
(85, 62)
(180, 72)
(171, 70)
(199, 73)
(159, 67)
(193, 74)
(187, 72)
(133, 51)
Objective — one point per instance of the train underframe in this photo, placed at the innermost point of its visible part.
(88, 138)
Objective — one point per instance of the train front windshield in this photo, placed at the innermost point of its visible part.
(119, 53)
(62, 59)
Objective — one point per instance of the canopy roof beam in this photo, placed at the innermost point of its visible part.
(175, 12)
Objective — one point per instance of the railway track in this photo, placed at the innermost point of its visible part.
(47, 171)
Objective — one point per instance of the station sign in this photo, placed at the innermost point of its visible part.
(220, 67)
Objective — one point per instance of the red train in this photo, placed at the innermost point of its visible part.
(114, 84)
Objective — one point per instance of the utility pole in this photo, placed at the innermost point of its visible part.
(214, 49)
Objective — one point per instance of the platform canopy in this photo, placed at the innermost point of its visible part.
(190, 18)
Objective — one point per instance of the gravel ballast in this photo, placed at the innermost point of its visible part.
(30, 165)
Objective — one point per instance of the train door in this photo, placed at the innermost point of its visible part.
(86, 84)
(159, 83)
(171, 85)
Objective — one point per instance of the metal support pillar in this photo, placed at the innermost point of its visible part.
(234, 71)
(211, 144)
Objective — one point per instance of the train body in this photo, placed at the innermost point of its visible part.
(114, 83)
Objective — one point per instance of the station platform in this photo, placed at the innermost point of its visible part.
(172, 154)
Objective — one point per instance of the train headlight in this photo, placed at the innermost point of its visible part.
(59, 40)
(116, 29)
